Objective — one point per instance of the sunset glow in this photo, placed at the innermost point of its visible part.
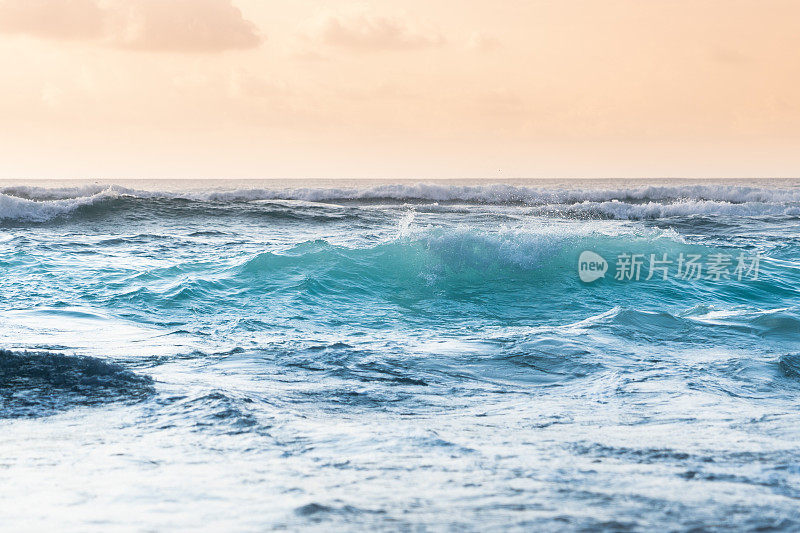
(469, 89)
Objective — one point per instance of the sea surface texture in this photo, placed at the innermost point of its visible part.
(246, 356)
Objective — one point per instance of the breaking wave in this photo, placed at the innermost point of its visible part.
(42, 210)
(39, 204)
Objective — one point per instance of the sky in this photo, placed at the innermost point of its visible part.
(418, 89)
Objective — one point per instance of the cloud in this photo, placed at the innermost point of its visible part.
(367, 32)
(62, 19)
(193, 26)
(185, 26)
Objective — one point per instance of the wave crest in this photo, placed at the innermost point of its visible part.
(25, 209)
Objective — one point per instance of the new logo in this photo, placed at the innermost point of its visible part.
(591, 266)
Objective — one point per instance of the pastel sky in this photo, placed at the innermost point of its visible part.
(413, 89)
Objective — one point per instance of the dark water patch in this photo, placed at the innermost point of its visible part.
(349, 364)
(36, 384)
(790, 365)
(195, 355)
(399, 380)
(314, 509)
(334, 398)
(214, 411)
(127, 240)
(553, 359)
(208, 233)
(639, 455)
(786, 324)
(334, 517)
(775, 485)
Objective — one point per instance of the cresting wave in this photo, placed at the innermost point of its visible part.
(455, 255)
(38, 204)
(519, 267)
(42, 210)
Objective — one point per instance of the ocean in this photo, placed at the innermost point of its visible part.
(327, 355)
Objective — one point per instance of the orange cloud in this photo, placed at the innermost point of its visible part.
(193, 26)
(376, 33)
(185, 26)
(65, 19)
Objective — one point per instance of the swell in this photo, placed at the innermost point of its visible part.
(774, 324)
(37, 204)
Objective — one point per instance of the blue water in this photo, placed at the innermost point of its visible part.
(401, 357)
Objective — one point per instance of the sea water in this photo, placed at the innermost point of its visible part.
(255, 355)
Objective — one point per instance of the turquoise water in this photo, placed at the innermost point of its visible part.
(404, 356)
